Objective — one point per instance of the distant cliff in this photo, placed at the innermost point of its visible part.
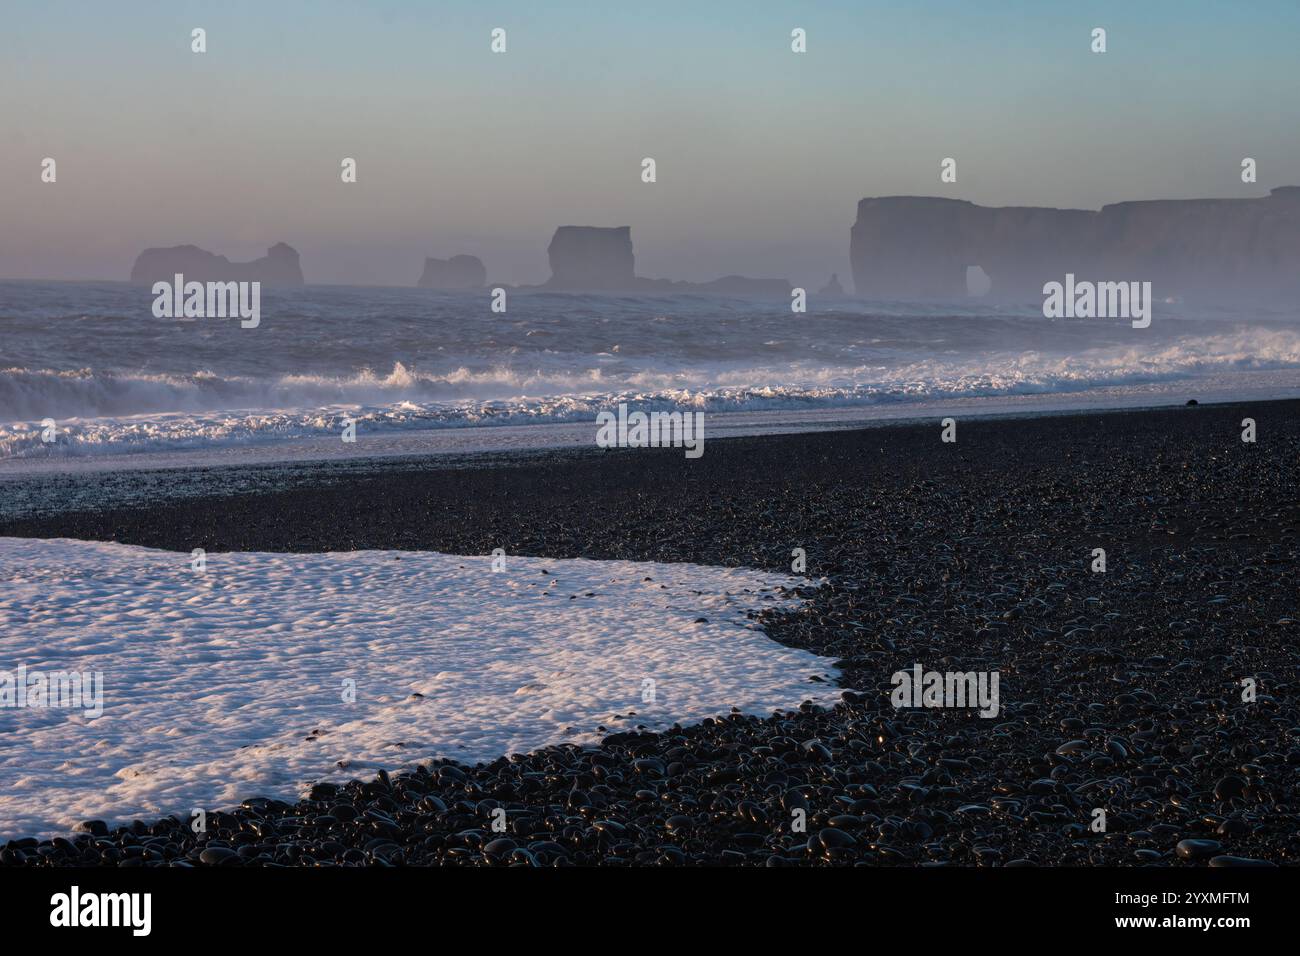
(594, 258)
(458, 272)
(1211, 250)
(278, 267)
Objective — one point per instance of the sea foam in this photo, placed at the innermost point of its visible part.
(235, 681)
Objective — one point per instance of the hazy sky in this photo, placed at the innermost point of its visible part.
(762, 153)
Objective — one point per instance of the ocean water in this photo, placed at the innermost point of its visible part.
(418, 369)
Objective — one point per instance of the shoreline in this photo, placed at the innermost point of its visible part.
(41, 488)
(474, 443)
(1118, 689)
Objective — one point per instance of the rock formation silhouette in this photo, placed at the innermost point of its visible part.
(594, 258)
(458, 272)
(832, 289)
(591, 257)
(1208, 250)
(279, 266)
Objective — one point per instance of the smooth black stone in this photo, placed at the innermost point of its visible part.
(1197, 849)
(217, 855)
(499, 848)
(1229, 788)
(831, 837)
(1229, 861)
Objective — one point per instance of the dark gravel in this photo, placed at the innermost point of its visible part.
(1120, 691)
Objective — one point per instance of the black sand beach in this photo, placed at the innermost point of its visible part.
(1120, 691)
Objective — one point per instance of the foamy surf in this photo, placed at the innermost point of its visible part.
(112, 380)
(234, 682)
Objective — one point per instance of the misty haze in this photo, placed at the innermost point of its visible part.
(675, 435)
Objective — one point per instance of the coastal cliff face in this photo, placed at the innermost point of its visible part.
(279, 266)
(591, 257)
(1209, 250)
(458, 272)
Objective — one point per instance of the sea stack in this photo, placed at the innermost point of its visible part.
(591, 257)
(1195, 250)
(458, 272)
(279, 266)
(832, 289)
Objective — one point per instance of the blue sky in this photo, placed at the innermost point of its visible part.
(762, 154)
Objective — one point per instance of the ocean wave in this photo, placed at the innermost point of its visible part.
(86, 393)
(97, 413)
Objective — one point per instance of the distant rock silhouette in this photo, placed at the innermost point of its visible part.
(595, 258)
(458, 272)
(591, 257)
(1210, 250)
(978, 282)
(278, 267)
(832, 289)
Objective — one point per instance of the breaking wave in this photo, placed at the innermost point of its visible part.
(92, 358)
(101, 412)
